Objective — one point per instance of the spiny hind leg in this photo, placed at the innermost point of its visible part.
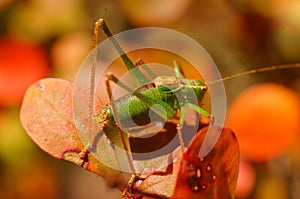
(110, 77)
(124, 137)
(140, 62)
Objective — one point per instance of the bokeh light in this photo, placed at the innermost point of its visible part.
(52, 37)
(21, 64)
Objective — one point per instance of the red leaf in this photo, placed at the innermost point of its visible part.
(214, 176)
(161, 183)
(46, 115)
(186, 178)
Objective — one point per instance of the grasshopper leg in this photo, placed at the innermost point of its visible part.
(179, 128)
(194, 107)
(140, 62)
(201, 111)
(136, 74)
(109, 78)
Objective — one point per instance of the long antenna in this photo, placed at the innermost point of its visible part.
(259, 70)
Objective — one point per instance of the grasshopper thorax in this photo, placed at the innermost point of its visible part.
(188, 87)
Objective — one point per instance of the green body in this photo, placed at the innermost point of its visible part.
(137, 108)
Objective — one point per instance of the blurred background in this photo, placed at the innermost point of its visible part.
(51, 38)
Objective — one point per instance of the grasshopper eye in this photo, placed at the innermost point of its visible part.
(204, 88)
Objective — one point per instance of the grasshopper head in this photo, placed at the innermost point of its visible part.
(198, 87)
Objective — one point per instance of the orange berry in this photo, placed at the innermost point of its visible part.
(266, 119)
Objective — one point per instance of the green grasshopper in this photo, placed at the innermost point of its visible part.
(165, 96)
(172, 94)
